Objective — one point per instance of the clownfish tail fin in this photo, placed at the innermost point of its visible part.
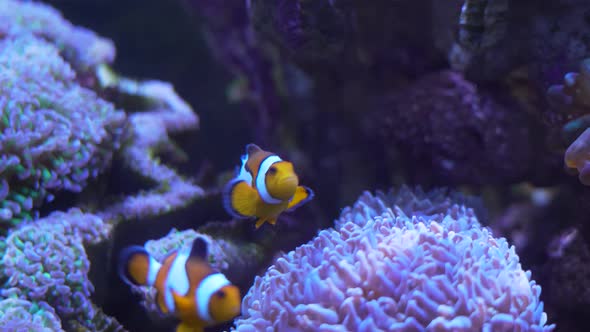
(137, 267)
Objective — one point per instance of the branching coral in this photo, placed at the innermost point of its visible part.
(148, 132)
(397, 273)
(54, 134)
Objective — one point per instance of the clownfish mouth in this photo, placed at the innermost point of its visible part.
(236, 311)
(284, 188)
(290, 181)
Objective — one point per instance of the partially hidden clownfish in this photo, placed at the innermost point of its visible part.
(265, 185)
(187, 286)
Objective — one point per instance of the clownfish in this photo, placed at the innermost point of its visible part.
(187, 286)
(264, 186)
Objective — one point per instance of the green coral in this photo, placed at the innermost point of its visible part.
(54, 134)
(24, 316)
(46, 261)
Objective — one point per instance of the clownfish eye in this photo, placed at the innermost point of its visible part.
(220, 294)
(272, 170)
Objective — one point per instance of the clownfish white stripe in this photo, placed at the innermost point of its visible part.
(154, 267)
(244, 174)
(206, 289)
(261, 177)
(177, 280)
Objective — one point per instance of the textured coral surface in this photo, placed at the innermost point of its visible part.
(490, 98)
(55, 135)
(396, 272)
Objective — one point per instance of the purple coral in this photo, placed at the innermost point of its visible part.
(22, 315)
(81, 47)
(437, 205)
(396, 273)
(148, 133)
(46, 261)
(54, 134)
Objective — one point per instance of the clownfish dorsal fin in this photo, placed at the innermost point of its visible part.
(199, 248)
(252, 148)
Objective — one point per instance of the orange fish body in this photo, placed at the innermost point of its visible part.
(264, 187)
(187, 286)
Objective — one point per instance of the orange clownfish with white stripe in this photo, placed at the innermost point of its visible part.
(187, 286)
(264, 187)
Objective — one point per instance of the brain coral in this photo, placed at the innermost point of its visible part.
(21, 315)
(438, 204)
(54, 134)
(396, 274)
(45, 261)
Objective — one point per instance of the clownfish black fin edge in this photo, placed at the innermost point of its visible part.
(199, 248)
(302, 195)
(124, 257)
(238, 192)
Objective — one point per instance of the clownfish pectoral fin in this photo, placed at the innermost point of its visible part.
(272, 221)
(199, 248)
(182, 303)
(161, 302)
(302, 195)
(239, 199)
(260, 222)
(136, 267)
(184, 327)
